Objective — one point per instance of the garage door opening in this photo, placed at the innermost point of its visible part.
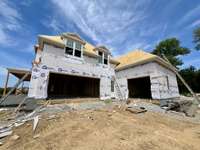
(68, 86)
(139, 87)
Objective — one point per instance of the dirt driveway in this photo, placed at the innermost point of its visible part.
(107, 129)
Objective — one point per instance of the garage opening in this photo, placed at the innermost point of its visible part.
(139, 87)
(68, 86)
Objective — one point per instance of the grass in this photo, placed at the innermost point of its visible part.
(108, 101)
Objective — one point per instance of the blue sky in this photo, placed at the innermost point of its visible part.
(121, 25)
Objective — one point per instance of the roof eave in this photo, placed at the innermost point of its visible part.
(156, 59)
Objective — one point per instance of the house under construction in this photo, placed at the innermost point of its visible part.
(66, 66)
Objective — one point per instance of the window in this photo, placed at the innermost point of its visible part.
(100, 57)
(112, 86)
(70, 50)
(77, 50)
(69, 47)
(105, 59)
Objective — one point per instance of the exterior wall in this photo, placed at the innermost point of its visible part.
(163, 81)
(160, 89)
(55, 60)
(166, 91)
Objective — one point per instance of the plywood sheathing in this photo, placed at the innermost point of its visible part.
(138, 57)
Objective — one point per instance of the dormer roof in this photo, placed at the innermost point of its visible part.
(73, 36)
(102, 48)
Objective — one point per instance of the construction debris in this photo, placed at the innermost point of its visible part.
(5, 133)
(35, 122)
(15, 137)
(180, 106)
(36, 136)
(136, 110)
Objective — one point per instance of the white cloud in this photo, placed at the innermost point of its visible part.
(9, 59)
(10, 21)
(106, 23)
(26, 2)
(192, 13)
(53, 23)
(195, 23)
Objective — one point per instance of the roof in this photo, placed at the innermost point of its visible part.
(19, 73)
(73, 36)
(89, 49)
(103, 49)
(139, 57)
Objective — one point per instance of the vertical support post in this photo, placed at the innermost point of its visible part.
(17, 91)
(22, 87)
(6, 84)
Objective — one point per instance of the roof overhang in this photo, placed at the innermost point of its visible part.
(154, 59)
(19, 73)
(74, 37)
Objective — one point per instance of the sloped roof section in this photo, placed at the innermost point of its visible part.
(103, 49)
(139, 57)
(59, 42)
(74, 36)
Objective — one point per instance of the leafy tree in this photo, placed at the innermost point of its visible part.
(192, 77)
(171, 49)
(196, 36)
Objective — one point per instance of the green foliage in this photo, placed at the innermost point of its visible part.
(108, 101)
(192, 77)
(171, 49)
(196, 36)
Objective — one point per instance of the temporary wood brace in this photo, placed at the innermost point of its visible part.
(15, 86)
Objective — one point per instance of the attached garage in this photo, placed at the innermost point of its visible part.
(139, 87)
(69, 86)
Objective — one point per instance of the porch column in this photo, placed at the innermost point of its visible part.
(6, 84)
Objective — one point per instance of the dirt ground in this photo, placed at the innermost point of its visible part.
(107, 129)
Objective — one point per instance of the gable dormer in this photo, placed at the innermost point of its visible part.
(103, 53)
(73, 44)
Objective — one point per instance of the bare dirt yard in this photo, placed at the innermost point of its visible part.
(109, 129)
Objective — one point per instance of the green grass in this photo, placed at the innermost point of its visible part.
(108, 101)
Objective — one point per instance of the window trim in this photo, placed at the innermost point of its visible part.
(103, 57)
(74, 48)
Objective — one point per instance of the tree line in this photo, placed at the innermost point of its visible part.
(172, 49)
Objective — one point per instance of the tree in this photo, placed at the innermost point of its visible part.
(196, 36)
(192, 77)
(171, 49)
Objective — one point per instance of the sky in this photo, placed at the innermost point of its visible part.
(121, 25)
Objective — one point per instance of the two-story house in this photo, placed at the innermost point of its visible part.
(67, 66)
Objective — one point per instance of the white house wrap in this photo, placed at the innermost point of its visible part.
(68, 55)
